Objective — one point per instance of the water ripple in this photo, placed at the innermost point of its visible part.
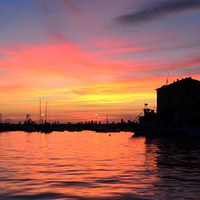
(88, 165)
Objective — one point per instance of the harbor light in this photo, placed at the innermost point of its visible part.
(96, 117)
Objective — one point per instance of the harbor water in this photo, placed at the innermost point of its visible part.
(90, 165)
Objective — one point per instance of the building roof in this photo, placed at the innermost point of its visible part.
(184, 81)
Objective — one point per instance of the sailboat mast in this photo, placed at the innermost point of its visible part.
(46, 113)
(40, 112)
(107, 118)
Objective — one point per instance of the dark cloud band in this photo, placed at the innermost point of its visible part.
(157, 10)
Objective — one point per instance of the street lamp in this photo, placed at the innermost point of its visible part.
(96, 117)
(42, 117)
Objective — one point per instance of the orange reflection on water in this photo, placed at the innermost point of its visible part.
(80, 163)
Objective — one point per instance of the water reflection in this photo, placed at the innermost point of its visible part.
(178, 163)
(88, 165)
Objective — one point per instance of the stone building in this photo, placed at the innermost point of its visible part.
(179, 103)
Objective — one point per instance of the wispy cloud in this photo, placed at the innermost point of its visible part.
(157, 10)
(3, 72)
(161, 68)
(70, 5)
(52, 22)
(54, 14)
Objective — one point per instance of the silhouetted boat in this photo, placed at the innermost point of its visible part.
(107, 130)
(74, 129)
(193, 131)
(45, 128)
(151, 129)
(29, 125)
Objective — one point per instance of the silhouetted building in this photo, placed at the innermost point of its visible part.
(149, 117)
(179, 102)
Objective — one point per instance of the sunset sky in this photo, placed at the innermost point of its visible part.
(88, 57)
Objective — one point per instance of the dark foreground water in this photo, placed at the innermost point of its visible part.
(89, 165)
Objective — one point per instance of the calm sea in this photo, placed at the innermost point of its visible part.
(88, 165)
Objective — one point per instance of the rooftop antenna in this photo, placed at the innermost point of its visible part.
(28, 117)
(189, 73)
(167, 78)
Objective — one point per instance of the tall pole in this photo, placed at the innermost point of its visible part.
(1, 120)
(107, 118)
(96, 117)
(40, 112)
(46, 113)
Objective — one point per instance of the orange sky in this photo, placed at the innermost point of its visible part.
(88, 64)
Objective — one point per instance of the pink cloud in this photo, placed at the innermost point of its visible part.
(70, 5)
(7, 51)
(66, 64)
(184, 63)
(62, 60)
